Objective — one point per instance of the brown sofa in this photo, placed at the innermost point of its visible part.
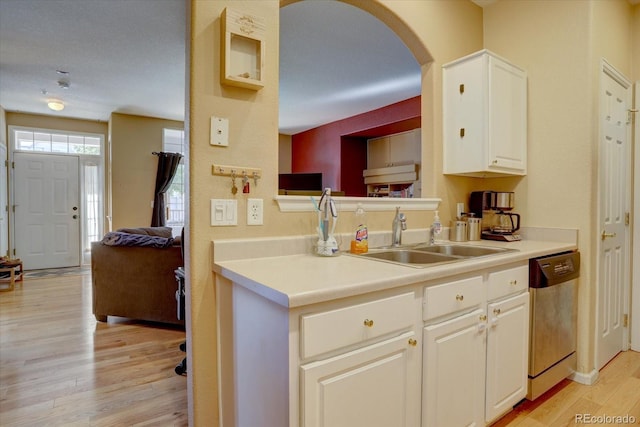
(135, 282)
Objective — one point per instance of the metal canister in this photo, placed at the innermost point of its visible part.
(475, 228)
(458, 231)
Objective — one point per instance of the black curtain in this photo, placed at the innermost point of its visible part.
(167, 166)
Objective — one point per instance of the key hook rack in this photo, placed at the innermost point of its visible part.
(237, 172)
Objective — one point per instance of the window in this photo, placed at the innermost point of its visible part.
(54, 142)
(173, 142)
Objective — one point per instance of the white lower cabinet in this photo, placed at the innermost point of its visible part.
(362, 362)
(375, 386)
(507, 354)
(475, 362)
(453, 371)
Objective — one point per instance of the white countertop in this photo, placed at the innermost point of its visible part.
(300, 279)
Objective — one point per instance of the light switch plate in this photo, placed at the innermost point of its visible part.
(224, 212)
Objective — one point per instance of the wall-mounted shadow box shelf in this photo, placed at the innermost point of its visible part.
(243, 38)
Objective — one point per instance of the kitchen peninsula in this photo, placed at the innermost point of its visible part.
(320, 341)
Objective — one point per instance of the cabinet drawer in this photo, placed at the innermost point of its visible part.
(331, 330)
(508, 281)
(453, 296)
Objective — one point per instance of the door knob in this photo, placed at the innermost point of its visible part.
(605, 234)
(75, 208)
(75, 217)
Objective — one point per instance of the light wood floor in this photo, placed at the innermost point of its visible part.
(615, 393)
(59, 367)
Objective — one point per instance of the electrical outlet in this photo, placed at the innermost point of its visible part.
(254, 212)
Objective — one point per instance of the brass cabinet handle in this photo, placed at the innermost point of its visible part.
(413, 342)
(483, 317)
(605, 234)
(368, 323)
(459, 297)
(461, 132)
(513, 282)
(496, 311)
(461, 89)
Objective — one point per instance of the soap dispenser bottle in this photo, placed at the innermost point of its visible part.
(360, 242)
(436, 228)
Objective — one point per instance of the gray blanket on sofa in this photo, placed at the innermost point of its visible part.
(118, 238)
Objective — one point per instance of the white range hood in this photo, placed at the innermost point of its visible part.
(391, 174)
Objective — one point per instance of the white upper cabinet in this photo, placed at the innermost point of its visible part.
(394, 150)
(485, 117)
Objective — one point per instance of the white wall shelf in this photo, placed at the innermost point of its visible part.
(370, 204)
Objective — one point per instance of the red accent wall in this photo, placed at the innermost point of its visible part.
(339, 149)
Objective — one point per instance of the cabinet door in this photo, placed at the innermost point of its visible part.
(464, 116)
(376, 386)
(508, 117)
(484, 117)
(453, 372)
(378, 153)
(405, 148)
(507, 354)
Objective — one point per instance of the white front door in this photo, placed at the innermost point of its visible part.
(613, 267)
(47, 217)
(4, 212)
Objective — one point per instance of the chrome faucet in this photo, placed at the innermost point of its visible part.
(432, 235)
(399, 224)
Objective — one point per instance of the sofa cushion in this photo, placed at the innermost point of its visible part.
(118, 238)
(149, 231)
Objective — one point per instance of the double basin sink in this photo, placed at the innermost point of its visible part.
(423, 255)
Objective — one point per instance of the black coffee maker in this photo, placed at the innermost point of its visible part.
(495, 209)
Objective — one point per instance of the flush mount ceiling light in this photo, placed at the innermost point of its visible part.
(55, 105)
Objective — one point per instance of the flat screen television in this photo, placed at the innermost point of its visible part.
(300, 181)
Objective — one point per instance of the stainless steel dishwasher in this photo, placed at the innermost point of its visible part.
(553, 288)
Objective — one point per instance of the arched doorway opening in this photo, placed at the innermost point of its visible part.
(411, 43)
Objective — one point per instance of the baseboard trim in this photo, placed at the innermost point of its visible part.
(586, 379)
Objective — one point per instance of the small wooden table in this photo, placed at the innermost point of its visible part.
(14, 268)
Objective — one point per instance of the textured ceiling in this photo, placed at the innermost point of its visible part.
(128, 56)
(122, 56)
(337, 61)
